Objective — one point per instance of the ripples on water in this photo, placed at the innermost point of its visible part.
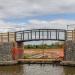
(36, 69)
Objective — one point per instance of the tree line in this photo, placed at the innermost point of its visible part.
(44, 46)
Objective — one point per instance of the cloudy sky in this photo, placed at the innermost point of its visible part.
(33, 13)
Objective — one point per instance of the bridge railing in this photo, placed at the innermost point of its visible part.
(7, 37)
(41, 34)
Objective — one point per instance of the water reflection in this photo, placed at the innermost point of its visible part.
(47, 69)
(11, 70)
(36, 69)
(69, 70)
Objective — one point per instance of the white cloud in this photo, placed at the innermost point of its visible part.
(8, 26)
(21, 8)
(55, 24)
(37, 24)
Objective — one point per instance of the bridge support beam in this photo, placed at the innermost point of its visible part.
(18, 51)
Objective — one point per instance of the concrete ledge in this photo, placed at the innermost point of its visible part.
(2, 63)
(67, 63)
(38, 61)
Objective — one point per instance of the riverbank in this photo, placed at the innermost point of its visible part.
(67, 63)
(47, 61)
(38, 61)
(7, 63)
(29, 61)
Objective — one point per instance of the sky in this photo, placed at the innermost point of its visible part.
(15, 14)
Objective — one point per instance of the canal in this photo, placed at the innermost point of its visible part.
(36, 69)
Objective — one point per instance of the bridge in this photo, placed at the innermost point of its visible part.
(40, 34)
(19, 37)
(34, 35)
(37, 35)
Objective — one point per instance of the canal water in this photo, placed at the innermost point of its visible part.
(36, 69)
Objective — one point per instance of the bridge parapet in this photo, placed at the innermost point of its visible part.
(38, 34)
(7, 37)
(70, 35)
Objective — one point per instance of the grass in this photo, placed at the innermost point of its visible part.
(27, 56)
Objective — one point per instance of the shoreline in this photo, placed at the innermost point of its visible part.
(38, 61)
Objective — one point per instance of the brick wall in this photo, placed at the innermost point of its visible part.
(6, 51)
(69, 54)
